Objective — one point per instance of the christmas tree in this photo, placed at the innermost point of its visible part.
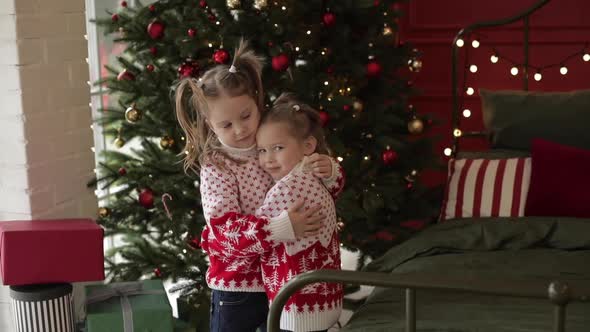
(343, 57)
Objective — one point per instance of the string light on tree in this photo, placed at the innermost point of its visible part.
(494, 58)
(470, 91)
(514, 71)
(473, 68)
(448, 152)
(475, 43)
(460, 42)
(538, 76)
(586, 57)
(466, 113)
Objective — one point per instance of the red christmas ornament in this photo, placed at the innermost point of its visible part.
(376, 3)
(280, 62)
(211, 17)
(221, 56)
(115, 18)
(156, 29)
(373, 69)
(152, 8)
(410, 185)
(384, 236)
(203, 4)
(149, 67)
(329, 19)
(346, 107)
(191, 32)
(324, 118)
(154, 50)
(269, 44)
(122, 171)
(158, 272)
(195, 242)
(124, 4)
(188, 69)
(146, 198)
(330, 70)
(125, 75)
(389, 157)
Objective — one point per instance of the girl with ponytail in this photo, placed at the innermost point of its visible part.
(219, 114)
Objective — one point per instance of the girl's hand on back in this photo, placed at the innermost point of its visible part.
(320, 165)
(305, 222)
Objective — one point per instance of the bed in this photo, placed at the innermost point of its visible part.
(496, 264)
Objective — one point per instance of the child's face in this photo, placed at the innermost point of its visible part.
(279, 151)
(234, 120)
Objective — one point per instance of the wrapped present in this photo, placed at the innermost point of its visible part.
(128, 307)
(50, 251)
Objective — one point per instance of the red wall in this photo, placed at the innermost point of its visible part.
(557, 30)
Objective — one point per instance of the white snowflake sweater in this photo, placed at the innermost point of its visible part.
(230, 198)
(317, 306)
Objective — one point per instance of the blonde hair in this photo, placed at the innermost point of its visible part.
(301, 119)
(242, 77)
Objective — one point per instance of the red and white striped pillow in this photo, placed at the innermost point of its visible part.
(486, 188)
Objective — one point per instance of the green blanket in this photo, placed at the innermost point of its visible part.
(523, 248)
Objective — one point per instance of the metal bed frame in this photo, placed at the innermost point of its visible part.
(456, 115)
(559, 293)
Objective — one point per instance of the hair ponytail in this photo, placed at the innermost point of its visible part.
(303, 120)
(191, 103)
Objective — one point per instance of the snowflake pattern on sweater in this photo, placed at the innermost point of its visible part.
(316, 306)
(234, 238)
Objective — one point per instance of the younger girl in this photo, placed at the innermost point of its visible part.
(219, 115)
(288, 133)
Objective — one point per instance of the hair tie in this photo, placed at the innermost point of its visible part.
(233, 69)
(296, 108)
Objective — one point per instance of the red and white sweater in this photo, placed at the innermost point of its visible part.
(317, 306)
(234, 237)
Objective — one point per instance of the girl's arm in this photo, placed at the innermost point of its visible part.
(228, 230)
(335, 183)
(329, 171)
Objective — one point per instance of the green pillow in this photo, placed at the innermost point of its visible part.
(514, 118)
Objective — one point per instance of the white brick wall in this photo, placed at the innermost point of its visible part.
(45, 136)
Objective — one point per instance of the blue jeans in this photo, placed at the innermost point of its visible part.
(238, 311)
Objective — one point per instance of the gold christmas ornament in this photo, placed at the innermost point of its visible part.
(119, 142)
(260, 4)
(358, 105)
(415, 126)
(233, 4)
(132, 114)
(415, 65)
(104, 212)
(166, 142)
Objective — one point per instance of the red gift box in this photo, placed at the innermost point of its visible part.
(51, 251)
